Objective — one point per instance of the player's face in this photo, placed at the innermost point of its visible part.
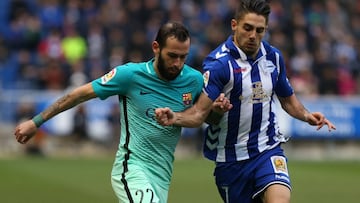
(171, 58)
(248, 33)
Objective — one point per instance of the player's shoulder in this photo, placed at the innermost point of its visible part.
(219, 57)
(270, 49)
(132, 66)
(189, 70)
(212, 61)
(191, 74)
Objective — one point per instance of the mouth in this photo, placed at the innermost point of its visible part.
(173, 70)
(251, 45)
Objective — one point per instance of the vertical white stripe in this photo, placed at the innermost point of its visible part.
(278, 63)
(229, 86)
(221, 156)
(277, 128)
(245, 111)
(266, 68)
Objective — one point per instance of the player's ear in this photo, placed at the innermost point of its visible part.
(234, 23)
(155, 47)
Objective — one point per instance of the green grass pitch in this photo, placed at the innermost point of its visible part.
(45, 180)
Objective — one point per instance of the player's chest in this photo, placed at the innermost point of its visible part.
(153, 95)
(254, 83)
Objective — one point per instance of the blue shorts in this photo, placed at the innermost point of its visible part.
(243, 181)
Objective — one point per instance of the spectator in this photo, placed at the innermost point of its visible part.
(73, 45)
(312, 25)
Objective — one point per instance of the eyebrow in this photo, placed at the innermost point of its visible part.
(257, 29)
(174, 55)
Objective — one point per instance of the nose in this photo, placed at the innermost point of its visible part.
(252, 34)
(177, 61)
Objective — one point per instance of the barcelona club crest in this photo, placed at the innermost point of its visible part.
(187, 98)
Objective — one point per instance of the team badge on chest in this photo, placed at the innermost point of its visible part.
(187, 98)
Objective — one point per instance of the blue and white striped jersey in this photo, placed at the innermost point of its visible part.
(251, 126)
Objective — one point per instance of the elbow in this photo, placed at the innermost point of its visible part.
(198, 124)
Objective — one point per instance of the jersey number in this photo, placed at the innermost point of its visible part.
(141, 193)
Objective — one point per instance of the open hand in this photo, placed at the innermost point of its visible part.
(221, 104)
(318, 119)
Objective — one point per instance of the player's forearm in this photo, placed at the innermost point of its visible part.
(298, 112)
(191, 118)
(294, 108)
(66, 102)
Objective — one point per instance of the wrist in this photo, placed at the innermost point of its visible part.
(175, 117)
(306, 116)
(216, 113)
(38, 120)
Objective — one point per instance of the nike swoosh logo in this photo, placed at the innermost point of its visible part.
(218, 55)
(143, 93)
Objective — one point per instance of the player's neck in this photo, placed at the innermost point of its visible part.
(155, 65)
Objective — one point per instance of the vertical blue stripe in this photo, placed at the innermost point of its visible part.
(270, 132)
(271, 128)
(234, 115)
(256, 116)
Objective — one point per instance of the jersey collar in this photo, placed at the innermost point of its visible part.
(237, 53)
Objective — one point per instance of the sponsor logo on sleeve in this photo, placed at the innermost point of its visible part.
(107, 77)
(206, 77)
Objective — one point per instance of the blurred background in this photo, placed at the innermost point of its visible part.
(48, 47)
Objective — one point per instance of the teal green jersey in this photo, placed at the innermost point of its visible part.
(143, 141)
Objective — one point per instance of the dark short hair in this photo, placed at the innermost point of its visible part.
(260, 7)
(172, 29)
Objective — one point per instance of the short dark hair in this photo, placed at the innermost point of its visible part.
(260, 7)
(172, 29)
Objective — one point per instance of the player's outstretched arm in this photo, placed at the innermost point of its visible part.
(296, 109)
(26, 130)
(194, 116)
(191, 117)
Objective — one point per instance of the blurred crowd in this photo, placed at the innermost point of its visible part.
(61, 44)
(57, 44)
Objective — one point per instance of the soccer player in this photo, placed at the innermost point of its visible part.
(143, 165)
(246, 144)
